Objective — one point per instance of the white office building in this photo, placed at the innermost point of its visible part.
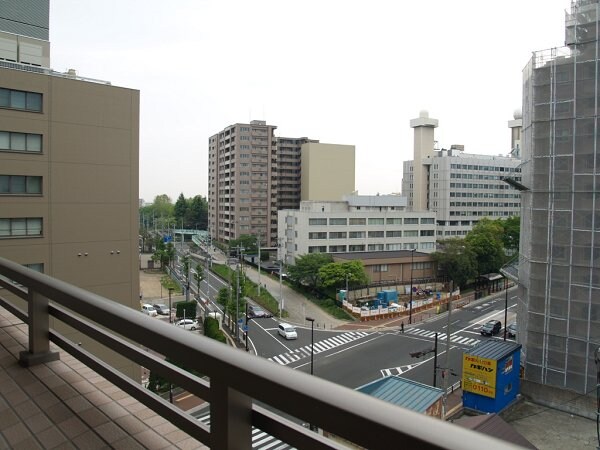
(358, 223)
(461, 188)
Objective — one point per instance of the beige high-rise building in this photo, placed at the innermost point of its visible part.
(241, 196)
(328, 171)
(68, 176)
(289, 173)
(252, 174)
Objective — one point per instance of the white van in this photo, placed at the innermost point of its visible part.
(287, 331)
(149, 309)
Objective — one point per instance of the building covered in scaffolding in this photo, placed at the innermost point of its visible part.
(559, 268)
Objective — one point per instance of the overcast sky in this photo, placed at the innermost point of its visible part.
(344, 72)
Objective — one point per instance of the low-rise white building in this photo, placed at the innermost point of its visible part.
(358, 223)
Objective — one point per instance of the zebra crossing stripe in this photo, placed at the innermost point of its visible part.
(272, 444)
(337, 341)
(321, 348)
(386, 372)
(325, 344)
(279, 361)
(259, 437)
(307, 352)
(332, 342)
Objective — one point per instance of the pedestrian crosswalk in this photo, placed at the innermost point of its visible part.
(260, 439)
(456, 339)
(321, 346)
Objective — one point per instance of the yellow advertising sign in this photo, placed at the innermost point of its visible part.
(479, 375)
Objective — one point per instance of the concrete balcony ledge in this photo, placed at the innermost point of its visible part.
(65, 404)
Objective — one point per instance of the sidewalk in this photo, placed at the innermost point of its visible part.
(547, 429)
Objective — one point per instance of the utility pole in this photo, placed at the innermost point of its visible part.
(281, 301)
(237, 299)
(208, 262)
(258, 242)
(435, 360)
(240, 254)
(447, 364)
(347, 292)
(505, 305)
(412, 256)
(280, 289)
(187, 261)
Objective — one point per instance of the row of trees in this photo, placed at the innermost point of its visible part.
(317, 270)
(485, 249)
(162, 213)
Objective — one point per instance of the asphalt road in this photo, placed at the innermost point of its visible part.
(354, 358)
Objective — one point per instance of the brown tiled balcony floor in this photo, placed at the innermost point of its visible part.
(65, 404)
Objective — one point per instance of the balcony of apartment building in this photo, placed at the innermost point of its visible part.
(55, 393)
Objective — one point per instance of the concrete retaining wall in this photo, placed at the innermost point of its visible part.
(560, 399)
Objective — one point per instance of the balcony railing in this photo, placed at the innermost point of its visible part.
(236, 380)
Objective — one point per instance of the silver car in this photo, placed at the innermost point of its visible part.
(161, 309)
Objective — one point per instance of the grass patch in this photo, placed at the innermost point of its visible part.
(168, 283)
(326, 304)
(266, 300)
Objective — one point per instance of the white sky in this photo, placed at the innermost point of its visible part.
(341, 71)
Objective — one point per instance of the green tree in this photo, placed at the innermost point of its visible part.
(456, 260)
(162, 206)
(199, 276)
(163, 253)
(223, 299)
(511, 234)
(247, 242)
(197, 213)
(306, 269)
(485, 241)
(180, 208)
(334, 274)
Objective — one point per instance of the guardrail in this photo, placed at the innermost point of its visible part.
(236, 380)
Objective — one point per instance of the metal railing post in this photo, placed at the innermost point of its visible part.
(231, 418)
(39, 326)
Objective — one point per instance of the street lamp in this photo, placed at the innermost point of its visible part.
(170, 308)
(281, 301)
(312, 353)
(412, 257)
(312, 341)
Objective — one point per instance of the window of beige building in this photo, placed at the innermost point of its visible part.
(22, 226)
(20, 142)
(28, 101)
(20, 185)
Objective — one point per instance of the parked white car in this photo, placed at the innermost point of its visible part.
(188, 324)
(149, 309)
